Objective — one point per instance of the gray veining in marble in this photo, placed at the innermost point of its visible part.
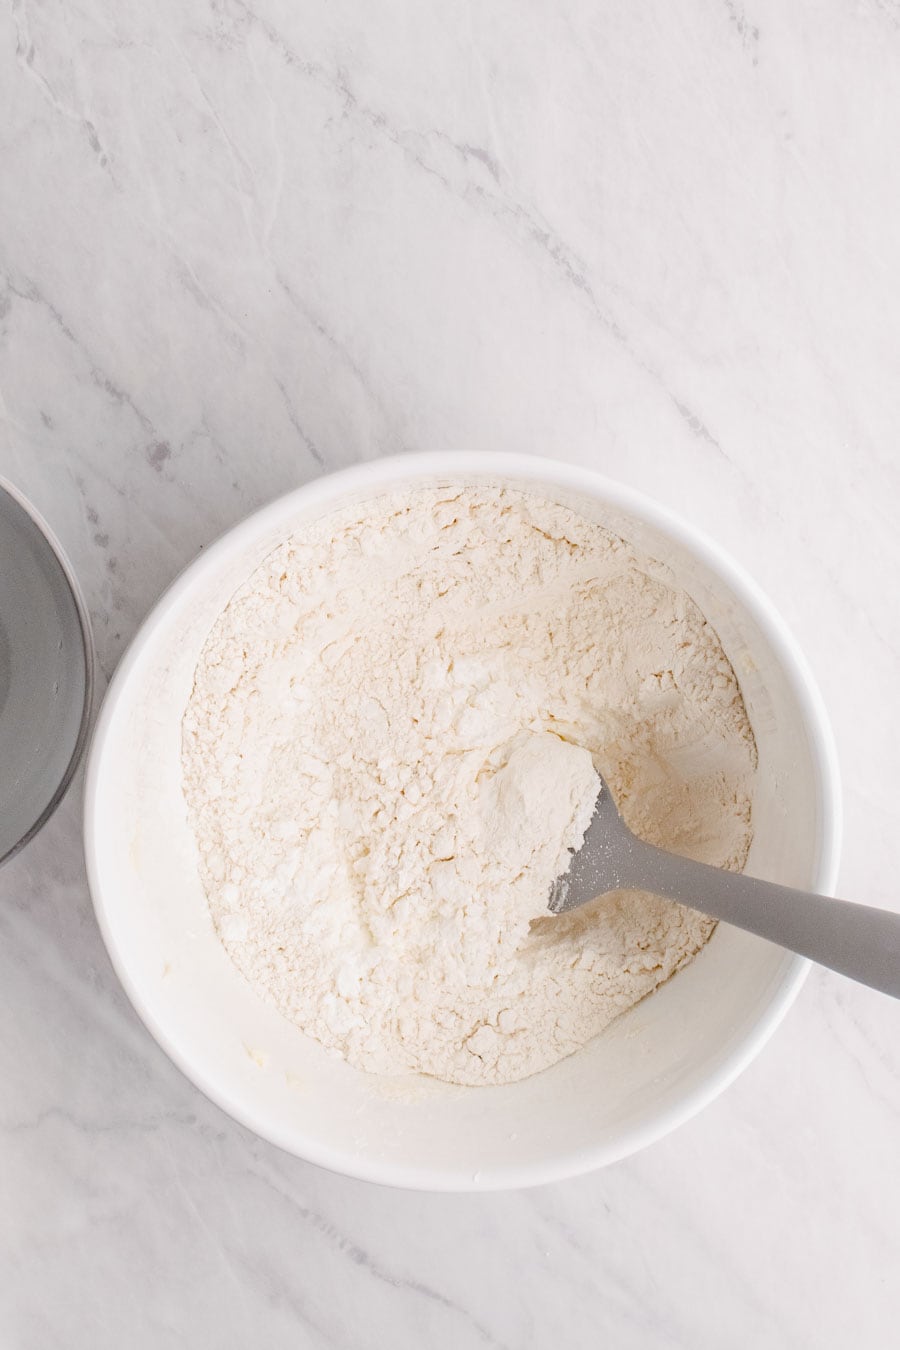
(244, 242)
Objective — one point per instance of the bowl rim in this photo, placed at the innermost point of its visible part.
(403, 470)
(87, 652)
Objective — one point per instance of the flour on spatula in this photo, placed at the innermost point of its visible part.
(389, 749)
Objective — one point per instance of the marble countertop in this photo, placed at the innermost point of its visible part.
(244, 243)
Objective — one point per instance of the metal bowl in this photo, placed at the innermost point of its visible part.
(46, 672)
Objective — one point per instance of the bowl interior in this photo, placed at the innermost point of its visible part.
(44, 675)
(642, 1076)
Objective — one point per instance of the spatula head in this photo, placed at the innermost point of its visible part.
(601, 864)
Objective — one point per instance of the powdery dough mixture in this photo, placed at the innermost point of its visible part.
(389, 749)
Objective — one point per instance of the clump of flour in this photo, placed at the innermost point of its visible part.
(390, 748)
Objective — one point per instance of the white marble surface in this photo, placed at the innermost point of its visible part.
(240, 243)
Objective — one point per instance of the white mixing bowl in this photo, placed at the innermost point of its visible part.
(646, 1074)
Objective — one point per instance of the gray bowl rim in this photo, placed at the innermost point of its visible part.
(87, 652)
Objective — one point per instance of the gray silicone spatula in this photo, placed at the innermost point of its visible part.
(855, 940)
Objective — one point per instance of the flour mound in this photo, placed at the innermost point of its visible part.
(390, 748)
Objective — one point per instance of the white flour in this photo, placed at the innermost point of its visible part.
(388, 751)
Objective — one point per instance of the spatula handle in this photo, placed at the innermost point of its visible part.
(855, 940)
